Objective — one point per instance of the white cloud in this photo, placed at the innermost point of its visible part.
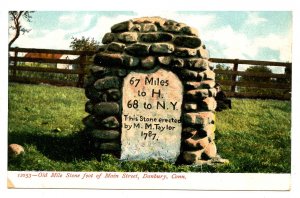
(75, 22)
(230, 43)
(194, 20)
(67, 19)
(222, 40)
(200, 22)
(280, 43)
(87, 19)
(254, 19)
(102, 26)
(58, 38)
(52, 40)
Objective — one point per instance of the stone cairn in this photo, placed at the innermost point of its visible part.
(142, 44)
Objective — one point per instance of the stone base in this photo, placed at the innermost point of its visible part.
(213, 161)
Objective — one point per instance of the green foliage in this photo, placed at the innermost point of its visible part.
(257, 69)
(255, 79)
(84, 44)
(16, 24)
(46, 120)
(221, 77)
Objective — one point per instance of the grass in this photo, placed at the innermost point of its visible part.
(46, 120)
(255, 136)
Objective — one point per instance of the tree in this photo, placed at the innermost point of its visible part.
(258, 79)
(222, 67)
(15, 18)
(84, 44)
(223, 74)
(257, 69)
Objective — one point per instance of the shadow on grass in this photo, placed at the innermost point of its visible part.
(59, 148)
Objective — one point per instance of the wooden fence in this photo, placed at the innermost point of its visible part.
(15, 59)
(16, 69)
(278, 88)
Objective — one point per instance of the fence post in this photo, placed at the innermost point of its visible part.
(233, 76)
(82, 60)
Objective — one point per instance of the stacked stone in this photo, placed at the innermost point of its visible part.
(145, 44)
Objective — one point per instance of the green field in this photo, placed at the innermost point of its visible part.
(255, 135)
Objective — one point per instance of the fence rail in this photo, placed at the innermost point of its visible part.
(15, 58)
(282, 82)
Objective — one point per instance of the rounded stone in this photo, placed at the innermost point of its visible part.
(110, 146)
(201, 75)
(190, 106)
(148, 62)
(154, 20)
(92, 93)
(203, 52)
(189, 74)
(89, 80)
(187, 41)
(116, 47)
(188, 132)
(156, 37)
(178, 62)
(130, 61)
(162, 48)
(209, 75)
(106, 108)
(110, 122)
(122, 27)
(98, 71)
(202, 64)
(148, 27)
(206, 84)
(189, 31)
(199, 118)
(164, 60)
(197, 94)
(102, 48)
(212, 92)
(136, 27)
(128, 37)
(172, 26)
(15, 150)
(209, 104)
(185, 52)
(109, 82)
(108, 59)
(138, 49)
(105, 134)
(108, 38)
(89, 107)
(113, 94)
(121, 72)
(209, 129)
(211, 150)
(89, 121)
(196, 143)
(212, 137)
(190, 157)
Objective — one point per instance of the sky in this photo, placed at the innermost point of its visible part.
(254, 35)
